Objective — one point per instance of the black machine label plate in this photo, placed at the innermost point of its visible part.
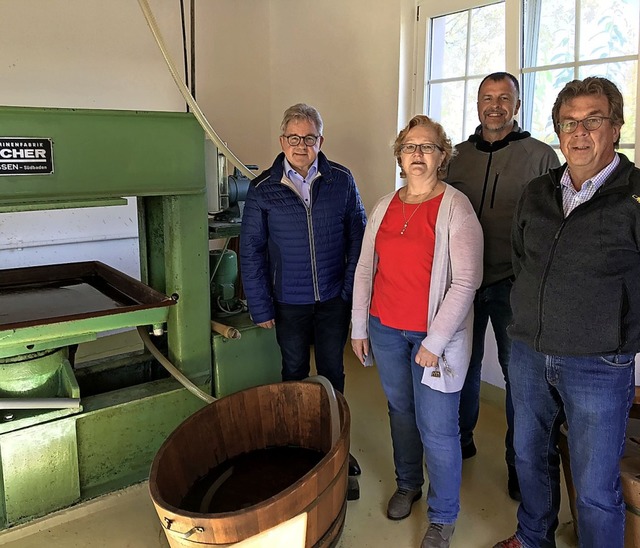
(26, 156)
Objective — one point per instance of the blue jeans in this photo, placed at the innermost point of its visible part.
(491, 302)
(594, 395)
(323, 324)
(424, 422)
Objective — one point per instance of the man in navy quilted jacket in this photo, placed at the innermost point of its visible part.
(302, 227)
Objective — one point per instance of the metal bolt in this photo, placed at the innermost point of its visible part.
(7, 416)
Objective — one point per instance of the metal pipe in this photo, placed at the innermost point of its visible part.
(40, 403)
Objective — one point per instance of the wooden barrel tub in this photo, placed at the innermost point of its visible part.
(276, 415)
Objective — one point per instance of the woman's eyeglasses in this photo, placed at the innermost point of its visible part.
(425, 148)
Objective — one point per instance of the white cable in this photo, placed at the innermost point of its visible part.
(146, 10)
(39, 403)
(175, 372)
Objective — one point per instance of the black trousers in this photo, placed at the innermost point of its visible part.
(323, 324)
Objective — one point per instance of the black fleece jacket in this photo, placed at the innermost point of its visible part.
(577, 287)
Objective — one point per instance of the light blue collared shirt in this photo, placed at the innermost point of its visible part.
(303, 184)
(572, 198)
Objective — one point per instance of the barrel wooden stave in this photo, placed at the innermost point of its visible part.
(273, 415)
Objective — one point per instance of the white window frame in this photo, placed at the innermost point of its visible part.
(513, 38)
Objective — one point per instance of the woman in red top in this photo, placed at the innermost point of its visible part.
(419, 268)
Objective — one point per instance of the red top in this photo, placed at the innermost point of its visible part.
(403, 276)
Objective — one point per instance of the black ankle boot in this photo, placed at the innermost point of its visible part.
(354, 467)
(468, 450)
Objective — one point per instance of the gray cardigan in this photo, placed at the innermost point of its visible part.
(455, 277)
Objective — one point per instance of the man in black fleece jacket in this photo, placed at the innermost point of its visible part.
(576, 320)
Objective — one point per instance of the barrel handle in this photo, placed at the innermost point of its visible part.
(333, 406)
(197, 529)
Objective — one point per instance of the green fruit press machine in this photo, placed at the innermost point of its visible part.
(70, 434)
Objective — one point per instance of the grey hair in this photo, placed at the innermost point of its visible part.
(301, 111)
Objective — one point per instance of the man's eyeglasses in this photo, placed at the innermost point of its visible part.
(295, 140)
(590, 124)
(425, 148)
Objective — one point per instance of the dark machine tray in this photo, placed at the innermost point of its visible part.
(42, 295)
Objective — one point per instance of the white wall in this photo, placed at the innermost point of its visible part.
(62, 236)
(254, 59)
(233, 76)
(343, 58)
(85, 54)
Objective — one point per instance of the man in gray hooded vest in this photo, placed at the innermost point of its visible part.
(492, 168)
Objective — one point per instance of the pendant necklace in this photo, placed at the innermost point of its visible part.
(406, 221)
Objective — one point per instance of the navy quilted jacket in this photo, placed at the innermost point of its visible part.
(297, 255)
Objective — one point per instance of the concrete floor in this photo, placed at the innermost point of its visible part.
(127, 519)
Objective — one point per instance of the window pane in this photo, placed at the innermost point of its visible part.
(487, 39)
(471, 121)
(625, 76)
(608, 29)
(547, 84)
(465, 46)
(549, 32)
(444, 105)
(449, 45)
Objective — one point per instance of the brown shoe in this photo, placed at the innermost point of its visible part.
(511, 542)
(438, 535)
(400, 503)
